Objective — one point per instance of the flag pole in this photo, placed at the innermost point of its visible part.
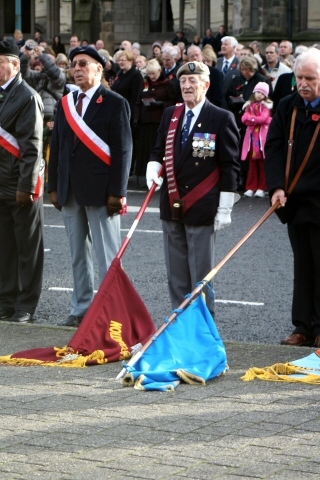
(142, 209)
(196, 292)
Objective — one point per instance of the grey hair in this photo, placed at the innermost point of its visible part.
(170, 50)
(312, 55)
(233, 40)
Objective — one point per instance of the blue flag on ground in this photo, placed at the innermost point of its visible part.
(189, 349)
(304, 370)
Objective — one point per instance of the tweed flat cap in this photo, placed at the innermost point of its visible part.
(8, 48)
(92, 52)
(193, 68)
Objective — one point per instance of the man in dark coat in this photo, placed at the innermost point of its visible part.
(204, 163)
(228, 64)
(88, 173)
(302, 206)
(214, 93)
(21, 208)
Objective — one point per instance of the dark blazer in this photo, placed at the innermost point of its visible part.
(129, 85)
(215, 91)
(285, 86)
(304, 202)
(73, 165)
(191, 170)
(232, 72)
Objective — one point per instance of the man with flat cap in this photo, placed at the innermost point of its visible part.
(21, 208)
(200, 144)
(88, 173)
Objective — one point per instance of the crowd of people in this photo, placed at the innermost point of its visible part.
(107, 116)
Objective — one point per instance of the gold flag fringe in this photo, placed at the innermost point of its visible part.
(65, 358)
(282, 372)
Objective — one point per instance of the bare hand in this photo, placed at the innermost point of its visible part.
(24, 198)
(55, 201)
(280, 195)
(114, 205)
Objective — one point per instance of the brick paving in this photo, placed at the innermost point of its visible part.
(60, 423)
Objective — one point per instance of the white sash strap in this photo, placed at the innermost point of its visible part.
(8, 142)
(83, 131)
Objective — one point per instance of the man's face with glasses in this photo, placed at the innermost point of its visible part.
(87, 71)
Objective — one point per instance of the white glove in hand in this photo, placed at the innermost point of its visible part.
(223, 215)
(152, 175)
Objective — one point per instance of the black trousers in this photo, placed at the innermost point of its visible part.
(305, 243)
(21, 255)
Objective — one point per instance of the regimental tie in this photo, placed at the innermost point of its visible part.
(186, 128)
(225, 67)
(79, 103)
(79, 109)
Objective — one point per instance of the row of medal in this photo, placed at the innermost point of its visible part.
(204, 144)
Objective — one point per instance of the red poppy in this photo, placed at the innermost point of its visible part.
(234, 65)
(315, 117)
(100, 99)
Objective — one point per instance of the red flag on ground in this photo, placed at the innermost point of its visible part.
(116, 321)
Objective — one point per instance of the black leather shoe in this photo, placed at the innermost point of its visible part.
(22, 317)
(6, 313)
(72, 321)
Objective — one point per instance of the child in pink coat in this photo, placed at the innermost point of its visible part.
(257, 117)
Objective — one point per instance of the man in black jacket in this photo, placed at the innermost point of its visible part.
(21, 209)
(200, 144)
(88, 173)
(302, 206)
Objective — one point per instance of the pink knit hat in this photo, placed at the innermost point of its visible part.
(262, 87)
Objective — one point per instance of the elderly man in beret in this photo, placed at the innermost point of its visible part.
(200, 144)
(21, 208)
(88, 173)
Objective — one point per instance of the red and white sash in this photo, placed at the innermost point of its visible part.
(199, 190)
(8, 142)
(84, 132)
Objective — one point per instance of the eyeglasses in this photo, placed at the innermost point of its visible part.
(81, 63)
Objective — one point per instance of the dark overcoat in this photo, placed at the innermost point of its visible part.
(304, 201)
(190, 171)
(73, 163)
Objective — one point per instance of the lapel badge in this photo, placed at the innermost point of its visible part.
(174, 119)
(199, 124)
(100, 99)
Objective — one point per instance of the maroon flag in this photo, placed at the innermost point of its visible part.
(116, 321)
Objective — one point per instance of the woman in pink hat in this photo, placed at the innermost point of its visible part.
(257, 118)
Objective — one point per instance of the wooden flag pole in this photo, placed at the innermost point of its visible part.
(196, 292)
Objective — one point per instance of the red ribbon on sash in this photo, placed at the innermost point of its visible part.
(199, 190)
(9, 143)
(84, 132)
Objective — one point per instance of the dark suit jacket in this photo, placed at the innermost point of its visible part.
(232, 72)
(215, 91)
(191, 170)
(73, 164)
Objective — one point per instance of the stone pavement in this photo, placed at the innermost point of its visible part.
(60, 423)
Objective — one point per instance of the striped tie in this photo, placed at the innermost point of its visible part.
(225, 67)
(186, 128)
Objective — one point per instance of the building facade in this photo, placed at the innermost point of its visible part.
(145, 21)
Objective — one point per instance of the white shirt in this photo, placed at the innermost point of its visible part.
(88, 96)
(196, 112)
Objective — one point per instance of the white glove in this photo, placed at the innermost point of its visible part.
(223, 215)
(152, 175)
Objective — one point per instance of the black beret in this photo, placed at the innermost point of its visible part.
(92, 52)
(8, 48)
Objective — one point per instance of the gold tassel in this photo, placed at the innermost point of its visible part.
(282, 372)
